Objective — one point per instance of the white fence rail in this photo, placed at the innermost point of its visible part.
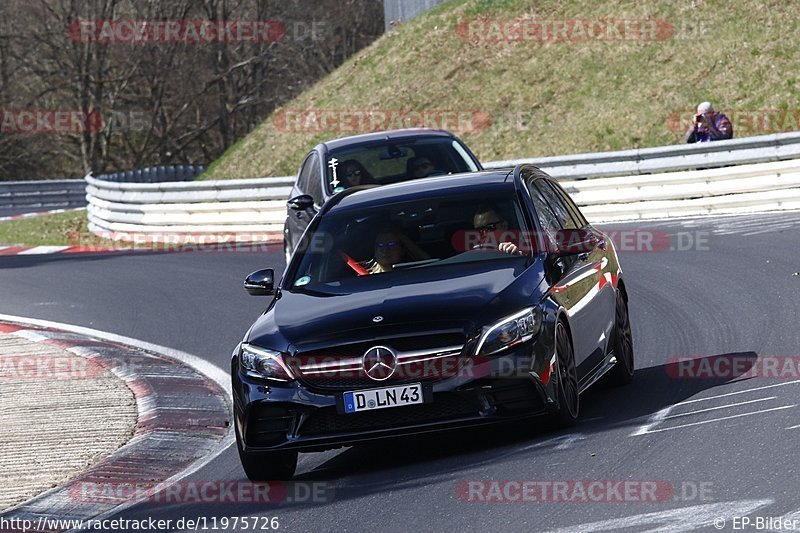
(628, 185)
(744, 188)
(203, 207)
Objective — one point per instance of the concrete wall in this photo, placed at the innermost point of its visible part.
(402, 10)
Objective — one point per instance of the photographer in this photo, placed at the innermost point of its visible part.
(708, 125)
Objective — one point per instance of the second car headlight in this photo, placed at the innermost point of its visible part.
(263, 363)
(510, 331)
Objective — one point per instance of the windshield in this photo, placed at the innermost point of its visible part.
(398, 160)
(423, 234)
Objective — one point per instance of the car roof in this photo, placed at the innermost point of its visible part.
(487, 181)
(386, 136)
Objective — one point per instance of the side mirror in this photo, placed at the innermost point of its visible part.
(260, 283)
(301, 203)
(576, 241)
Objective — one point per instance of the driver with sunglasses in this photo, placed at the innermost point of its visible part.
(422, 167)
(492, 227)
(355, 173)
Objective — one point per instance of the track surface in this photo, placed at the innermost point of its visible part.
(733, 293)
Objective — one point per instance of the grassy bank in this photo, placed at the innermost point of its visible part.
(57, 229)
(563, 93)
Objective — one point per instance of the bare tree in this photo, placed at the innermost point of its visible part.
(164, 102)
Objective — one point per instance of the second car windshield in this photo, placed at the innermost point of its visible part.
(393, 161)
(442, 232)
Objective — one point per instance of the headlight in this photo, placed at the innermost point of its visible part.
(510, 331)
(262, 363)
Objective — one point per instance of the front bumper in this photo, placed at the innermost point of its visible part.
(295, 416)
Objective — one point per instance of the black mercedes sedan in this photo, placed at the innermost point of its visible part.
(377, 158)
(426, 305)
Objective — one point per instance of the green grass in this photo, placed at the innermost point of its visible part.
(548, 98)
(70, 228)
(58, 229)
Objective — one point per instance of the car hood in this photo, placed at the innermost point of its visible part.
(425, 299)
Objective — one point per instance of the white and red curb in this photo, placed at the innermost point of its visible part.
(183, 423)
(36, 250)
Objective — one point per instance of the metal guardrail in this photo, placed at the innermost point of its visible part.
(744, 188)
(42, 194)
(760, 149)
(222, 206)
(626, 185)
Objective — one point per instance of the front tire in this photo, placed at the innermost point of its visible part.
(267, 466)
(567, 379)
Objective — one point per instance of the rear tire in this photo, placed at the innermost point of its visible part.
(622, 372)
(267, 466)
(567, 379)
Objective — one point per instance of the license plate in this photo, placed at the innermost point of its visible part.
(368, 400)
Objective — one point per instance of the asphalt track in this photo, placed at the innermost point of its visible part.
(727, 446)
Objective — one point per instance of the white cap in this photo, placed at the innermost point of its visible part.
(704, 108)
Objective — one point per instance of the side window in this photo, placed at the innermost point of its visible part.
(314, 180)
(557, 205)
(547, 218)
(305, 173)
(573, 209)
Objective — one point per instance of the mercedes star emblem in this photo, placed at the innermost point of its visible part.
(379, 363)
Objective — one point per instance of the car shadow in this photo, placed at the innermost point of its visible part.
(653, 389)
(419, 461)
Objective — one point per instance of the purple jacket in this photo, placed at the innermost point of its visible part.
(719, 129)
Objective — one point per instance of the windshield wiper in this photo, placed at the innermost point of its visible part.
(413, 264)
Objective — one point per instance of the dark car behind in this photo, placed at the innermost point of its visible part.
(388, 157)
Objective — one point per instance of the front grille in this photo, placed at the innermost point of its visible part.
(445, 406)
(401, 343)
(421, 358)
